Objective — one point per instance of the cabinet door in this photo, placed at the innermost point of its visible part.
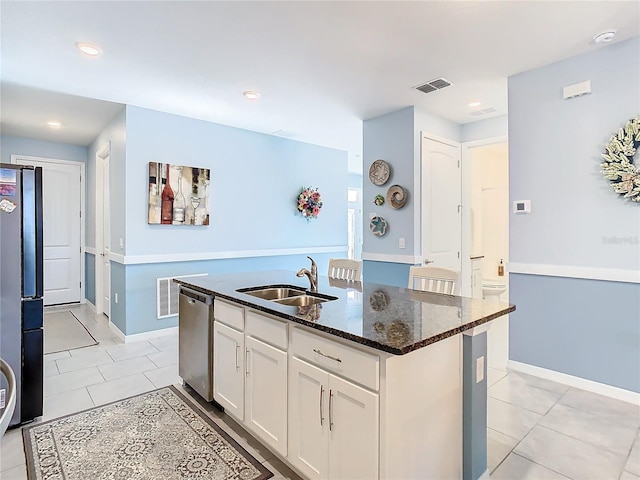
(353, 431)
(266, 393)
(228, 369)
(308, 419)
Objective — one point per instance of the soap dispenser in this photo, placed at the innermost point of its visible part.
(501, 269)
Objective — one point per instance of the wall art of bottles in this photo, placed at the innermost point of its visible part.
(178, 195)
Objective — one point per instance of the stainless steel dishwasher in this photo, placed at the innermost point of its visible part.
(195, 341)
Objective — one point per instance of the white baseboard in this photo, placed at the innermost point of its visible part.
(89, 304)
(137, 337)
(577, 382)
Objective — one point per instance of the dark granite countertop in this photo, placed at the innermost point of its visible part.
(392, 319)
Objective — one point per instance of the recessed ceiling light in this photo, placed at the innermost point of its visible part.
(251, 95)
(54, 124)
(604, 37)
(474, 104)
(89, 49)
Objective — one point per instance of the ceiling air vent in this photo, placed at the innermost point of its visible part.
(484, 111)
(434, 85)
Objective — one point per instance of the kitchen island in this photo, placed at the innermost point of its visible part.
(367, 384)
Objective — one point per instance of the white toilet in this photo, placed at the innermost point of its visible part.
(492, 288)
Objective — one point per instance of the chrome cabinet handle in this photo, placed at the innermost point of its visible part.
(335, 359)
(246, 362)
(237, 347)
(321, 409)
(330, 410)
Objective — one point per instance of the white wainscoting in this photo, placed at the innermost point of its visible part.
(569, 271)
(196, 256)
(383, 257)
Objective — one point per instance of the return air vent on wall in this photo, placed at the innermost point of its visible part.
(433, 85)
(484, 111)
(167, 295)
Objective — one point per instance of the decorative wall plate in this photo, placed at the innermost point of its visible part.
(379, 172)
(397, 196)
(378, 226)
(378, 200)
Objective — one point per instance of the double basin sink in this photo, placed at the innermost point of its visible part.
(287, 295)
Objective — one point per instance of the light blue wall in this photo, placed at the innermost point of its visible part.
(90, 277)
(554, 161)
(489, 128)
(39, 148)
(396, 138)
(587, 328)
(390, 138)
(355, 180)
(255, 181)
(141, 281)
(386, 273)
(428, 123)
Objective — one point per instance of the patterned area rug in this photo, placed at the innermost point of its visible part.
(156, 435)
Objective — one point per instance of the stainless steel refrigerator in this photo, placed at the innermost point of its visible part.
(21, 286)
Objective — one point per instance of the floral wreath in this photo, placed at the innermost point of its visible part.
(618, 166)
(309, 203)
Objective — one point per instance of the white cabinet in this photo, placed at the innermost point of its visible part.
(266, 393)
(335, 410)
(353, 431)
(228, 369)
(308, 432)
(333, 425)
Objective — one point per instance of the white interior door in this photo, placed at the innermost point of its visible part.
(441, 204)
(62, 206)
(106, 240)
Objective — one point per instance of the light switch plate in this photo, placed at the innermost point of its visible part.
(480, 369)
(401, 243)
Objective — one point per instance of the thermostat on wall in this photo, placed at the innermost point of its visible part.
(522, 206)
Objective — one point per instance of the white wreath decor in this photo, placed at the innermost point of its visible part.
(618, 164)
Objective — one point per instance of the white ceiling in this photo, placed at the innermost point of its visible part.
(322, 67)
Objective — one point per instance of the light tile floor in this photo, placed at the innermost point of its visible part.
(537, 429)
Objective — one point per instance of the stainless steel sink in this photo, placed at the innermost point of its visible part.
(287, 295)
(302, 300)
(273, 293)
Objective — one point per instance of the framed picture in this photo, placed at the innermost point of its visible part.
(178, 195)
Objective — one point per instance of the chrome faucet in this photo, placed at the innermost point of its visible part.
(311, 275)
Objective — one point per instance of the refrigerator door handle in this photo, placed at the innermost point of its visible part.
(39, 234)
(32, 235)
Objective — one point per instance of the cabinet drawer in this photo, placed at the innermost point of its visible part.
(269, 330)
(350, 363)
(228, 314)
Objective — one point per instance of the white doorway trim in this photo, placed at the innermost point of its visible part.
(498, 335)
(466, 206)
(101, 155)
(15, 159)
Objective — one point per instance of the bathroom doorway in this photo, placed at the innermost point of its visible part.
(486, 192)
